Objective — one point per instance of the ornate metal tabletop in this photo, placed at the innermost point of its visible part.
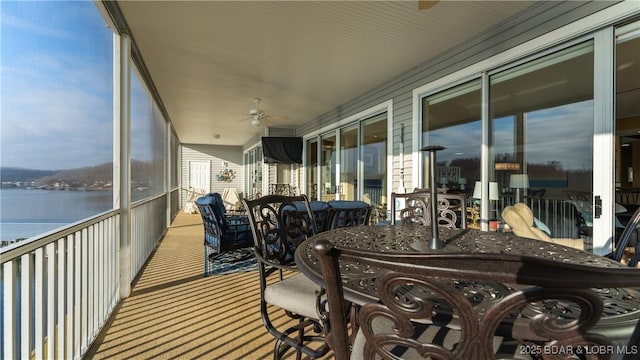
(622, 306)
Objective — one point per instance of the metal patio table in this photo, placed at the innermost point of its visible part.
(621, 305)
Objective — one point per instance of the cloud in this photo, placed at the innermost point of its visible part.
(563, 134)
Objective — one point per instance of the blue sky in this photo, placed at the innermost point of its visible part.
(56, 98)
(56, 85)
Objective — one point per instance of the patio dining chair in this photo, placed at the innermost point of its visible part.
(345, 213)
(427, 306)
(632, 228)
(415, 209)
(279, 224)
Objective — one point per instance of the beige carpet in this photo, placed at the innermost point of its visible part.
(176, 313)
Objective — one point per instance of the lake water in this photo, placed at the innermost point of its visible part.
(26, 213)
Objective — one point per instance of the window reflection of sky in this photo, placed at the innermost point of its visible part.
(562, 134)
(461, 141)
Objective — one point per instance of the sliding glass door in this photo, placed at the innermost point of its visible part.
(374, 161)
(348, 189)
(328, 163)
(451, 118)
(311, 170)
(627, 123)
(352, 161)
(542, 131)
(253, 172)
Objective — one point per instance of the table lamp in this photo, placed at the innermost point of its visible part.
(494, 195)
(462, 182)
(477, 190)
(518, 181)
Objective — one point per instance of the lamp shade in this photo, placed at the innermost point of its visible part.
(494, 193)
(477, 190)
(462, 181)
(519, 181)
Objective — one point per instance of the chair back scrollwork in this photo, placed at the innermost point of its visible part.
(415, 210)
(279, 224)
(431, 305)
(452, 209)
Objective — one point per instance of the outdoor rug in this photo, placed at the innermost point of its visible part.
(232, 261)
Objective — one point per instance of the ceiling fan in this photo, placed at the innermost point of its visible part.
(259, 117)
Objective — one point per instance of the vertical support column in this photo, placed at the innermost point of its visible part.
(122, 156)
(603, 139)
(484, 155)
(167, 173)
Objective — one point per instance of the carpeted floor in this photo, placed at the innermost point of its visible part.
(174, 312)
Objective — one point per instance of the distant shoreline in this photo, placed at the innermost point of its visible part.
(52, 188)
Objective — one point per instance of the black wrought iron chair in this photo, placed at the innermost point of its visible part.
(413, 208)
(631, 229)
(345, 213)
(452, 209)
(279, 223)
(227, 238)
(419, 293)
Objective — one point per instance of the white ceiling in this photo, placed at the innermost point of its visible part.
(209, 59)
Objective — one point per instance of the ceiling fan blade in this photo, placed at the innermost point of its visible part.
(276, 118)
(426, 4)
(265, 122)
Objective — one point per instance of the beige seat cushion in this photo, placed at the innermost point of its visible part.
(296, 294)
(432, 334)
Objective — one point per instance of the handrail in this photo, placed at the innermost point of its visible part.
(28, 245)
(75, 276)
